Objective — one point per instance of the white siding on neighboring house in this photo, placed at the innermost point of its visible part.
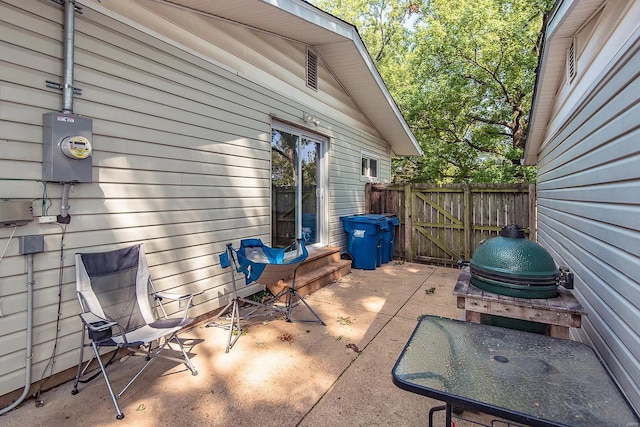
(181, 138)
(589, 185)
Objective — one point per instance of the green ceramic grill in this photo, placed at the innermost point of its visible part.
(514, 266)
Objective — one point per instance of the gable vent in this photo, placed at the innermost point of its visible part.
(312, 69)
(571, 60)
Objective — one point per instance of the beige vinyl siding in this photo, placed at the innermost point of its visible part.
(589, 205)
(171, 169)
(347, 192)
(181, 157)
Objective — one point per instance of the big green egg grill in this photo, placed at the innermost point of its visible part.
(514, 266)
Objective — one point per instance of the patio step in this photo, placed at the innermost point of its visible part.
(321, 267)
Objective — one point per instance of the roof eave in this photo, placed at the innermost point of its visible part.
(566, 17)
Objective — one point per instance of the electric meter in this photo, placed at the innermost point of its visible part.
(66, 147)
(76, 147)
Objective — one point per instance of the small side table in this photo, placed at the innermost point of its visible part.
(560, 313)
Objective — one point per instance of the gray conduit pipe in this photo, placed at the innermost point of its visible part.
(67, 91)
(67, 107)
(64, 207)
(29, 359)
(69, 31)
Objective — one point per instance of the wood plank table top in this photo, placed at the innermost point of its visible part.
(561, 313)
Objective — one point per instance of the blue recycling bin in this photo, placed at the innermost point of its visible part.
(364, 239)
(388, 238)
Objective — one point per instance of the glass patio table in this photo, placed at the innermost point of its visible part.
(520, 376)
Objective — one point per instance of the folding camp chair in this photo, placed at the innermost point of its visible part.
(262, 264)
(120, 308)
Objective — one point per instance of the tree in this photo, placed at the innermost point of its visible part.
(284, 170)
(475, 63)
(463, 74)
(384, 28)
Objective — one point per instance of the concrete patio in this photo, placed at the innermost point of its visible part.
(279, 373)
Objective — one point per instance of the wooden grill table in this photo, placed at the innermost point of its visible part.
(560, 313)
(524, 377)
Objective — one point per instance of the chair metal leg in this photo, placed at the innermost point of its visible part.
(234, 325)
(234, 322)
(79, 372)
(96, 350)
(187, 359)
(152, 355)
(293, 293)
(146, 363)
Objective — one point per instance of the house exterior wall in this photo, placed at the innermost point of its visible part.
(181, 138)
(589, 187)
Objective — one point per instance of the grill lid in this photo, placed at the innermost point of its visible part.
(515, 266)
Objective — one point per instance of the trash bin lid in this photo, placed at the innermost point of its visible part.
(371, 219)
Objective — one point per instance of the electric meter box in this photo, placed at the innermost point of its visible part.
(66, 147)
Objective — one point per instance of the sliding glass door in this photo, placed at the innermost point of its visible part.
(298, 181)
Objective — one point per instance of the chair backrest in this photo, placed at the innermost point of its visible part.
(261, 263)
(115, 285)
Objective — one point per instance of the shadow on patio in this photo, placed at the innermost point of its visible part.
(281, 373)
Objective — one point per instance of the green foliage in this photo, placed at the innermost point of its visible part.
(284, 159)
(462, 73)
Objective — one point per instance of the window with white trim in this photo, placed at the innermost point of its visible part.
(370, 166)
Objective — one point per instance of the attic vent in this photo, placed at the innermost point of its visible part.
(312, 69)
(571, 60)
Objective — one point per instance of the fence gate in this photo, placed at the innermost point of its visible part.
(444, 224)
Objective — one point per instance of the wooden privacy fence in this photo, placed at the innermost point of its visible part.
(445, 223)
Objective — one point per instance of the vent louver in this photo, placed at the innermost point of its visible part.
(312, 69)
(571, 61)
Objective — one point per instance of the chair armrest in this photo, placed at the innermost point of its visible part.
(95, 322)
(100, 329)
(184, 301)
(174, 296)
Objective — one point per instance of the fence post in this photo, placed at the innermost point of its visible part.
(467, 220)
(367, 197)
(408, 224)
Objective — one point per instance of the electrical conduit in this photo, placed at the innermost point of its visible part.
(64, 208)
(69, 33)
(67, 107)
(29, 358)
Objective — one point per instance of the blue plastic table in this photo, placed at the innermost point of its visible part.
(524, 377)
